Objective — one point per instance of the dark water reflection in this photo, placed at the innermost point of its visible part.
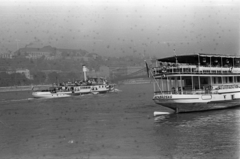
(213, 134)
(118, 125)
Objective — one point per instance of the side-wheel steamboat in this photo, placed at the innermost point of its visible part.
(197, 82)
(87, 86)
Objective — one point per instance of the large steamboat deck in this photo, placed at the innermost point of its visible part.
(195, 80)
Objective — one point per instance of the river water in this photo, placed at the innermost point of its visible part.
(114, 125)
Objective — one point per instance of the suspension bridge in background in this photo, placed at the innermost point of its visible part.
(140, 74)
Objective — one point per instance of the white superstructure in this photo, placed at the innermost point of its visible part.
(197, 82)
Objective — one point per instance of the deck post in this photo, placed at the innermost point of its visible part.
(199, 83)
(162, 82)
(198, 64)
(171, 85)
(211, 80)
(233, 63)
(167, 85)
(181, 84)
(176, 84)
(221, 65)
(210, 65)
(192, 82)
(232, 68)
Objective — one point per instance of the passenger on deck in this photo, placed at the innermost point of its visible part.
(179, 90)
(226, 65)
(208, 64)
(173, 90)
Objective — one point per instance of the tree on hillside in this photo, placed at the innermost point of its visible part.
(19, 79)
(13, 79)
(72, 76)
(4, 79)
(53, 77)
(39, 77)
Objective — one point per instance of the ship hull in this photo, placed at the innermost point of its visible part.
(191, 107)
(193, 103)
(51, 95)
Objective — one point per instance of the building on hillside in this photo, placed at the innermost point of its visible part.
(26, 72)
(51, 53)
(58, 54)
(6, 56)
(46, 52)
(85, 59)
(74, 54)
(93, 55)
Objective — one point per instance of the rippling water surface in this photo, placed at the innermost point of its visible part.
(114, 125)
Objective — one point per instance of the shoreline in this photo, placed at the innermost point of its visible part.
(20, 88)
(29, 88)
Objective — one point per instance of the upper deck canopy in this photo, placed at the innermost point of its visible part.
(194, 58)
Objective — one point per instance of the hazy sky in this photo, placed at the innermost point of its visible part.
(122, 27)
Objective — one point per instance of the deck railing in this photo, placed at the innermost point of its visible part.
(183, 92)
(193, 69)
(234, 87)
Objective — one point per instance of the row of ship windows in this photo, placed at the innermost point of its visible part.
(78, 88)
(193, 70)
(225, 79)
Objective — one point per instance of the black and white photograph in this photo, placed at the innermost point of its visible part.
(119, 79)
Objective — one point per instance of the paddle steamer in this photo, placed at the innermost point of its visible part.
(197, 82)
(87, 86)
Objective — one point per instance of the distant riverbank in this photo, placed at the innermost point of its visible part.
(30, 87)
(137, 81)
(21, 88)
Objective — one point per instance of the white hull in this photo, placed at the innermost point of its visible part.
(198, 102)
(51, 95)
